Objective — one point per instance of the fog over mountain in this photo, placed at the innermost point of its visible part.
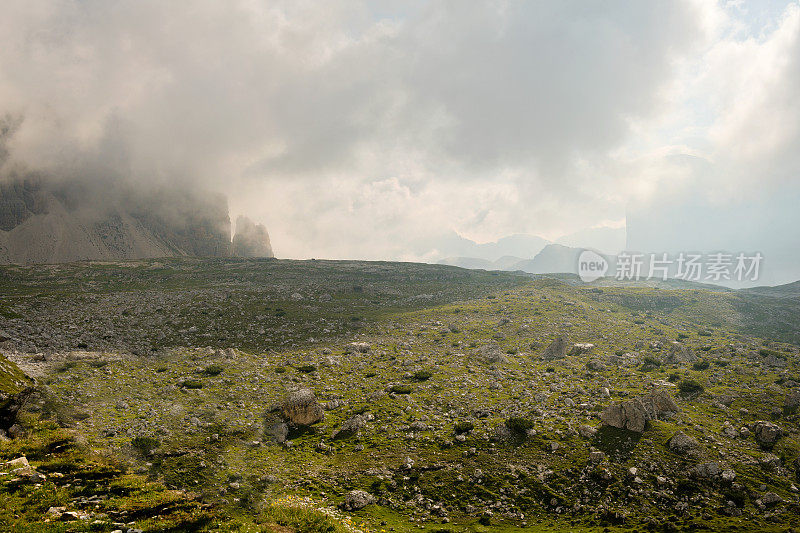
(379, 130)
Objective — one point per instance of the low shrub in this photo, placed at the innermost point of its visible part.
(213, 370)
(649, 363)
(463, 426)
(145, 445)
(518, 424)
(690, 387)
(423, 375)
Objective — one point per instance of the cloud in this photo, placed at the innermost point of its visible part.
(363, 129)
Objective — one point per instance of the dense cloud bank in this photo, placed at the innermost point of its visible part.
(375, 130)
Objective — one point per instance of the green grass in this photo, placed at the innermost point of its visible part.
(424, 382)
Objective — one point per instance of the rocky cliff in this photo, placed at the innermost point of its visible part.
(52, 222)
(251, 240)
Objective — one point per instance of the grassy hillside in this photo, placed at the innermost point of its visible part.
(449, 415)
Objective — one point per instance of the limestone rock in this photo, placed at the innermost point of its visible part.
(357, 499)
(15, 388)
(357, 347)
(301, 408)
(581, 348)
(766, 433)
(682, 443)
(634, 414)
(792, 400)
(556, 350)
(679, 353)
(250, 239)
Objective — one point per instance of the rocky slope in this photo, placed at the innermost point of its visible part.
(411, 397)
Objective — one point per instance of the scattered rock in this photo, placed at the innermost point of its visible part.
(279, 431)
(556, 350)
(682, 443)
(581, 348)
(357, 499)
(769, 499)
(634, 414)
(792, 400)
(357, 347)
(351, 426)
(679, 353)
(766, 433)
(301, 408)
(708, 470)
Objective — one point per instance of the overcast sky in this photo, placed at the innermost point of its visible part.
(367, 129)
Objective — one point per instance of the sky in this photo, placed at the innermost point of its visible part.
(375, 130)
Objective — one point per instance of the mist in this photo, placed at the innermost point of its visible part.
(378, 130)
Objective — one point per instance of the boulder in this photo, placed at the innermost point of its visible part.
(792, 400)
(634, 414)
(357, 499)
(770, 498)
(766, 433)
(556, 350)
(595, 366)
(661, 404)
(581, 348)
(678, 353)
(357, 347)
(15, 388)
(351, 426)
(681, 443)
(630, 415)
(708, 470)
(301, 408)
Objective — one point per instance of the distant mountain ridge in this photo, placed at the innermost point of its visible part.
(552, 258)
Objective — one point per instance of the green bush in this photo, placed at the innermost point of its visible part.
(690, 387)
(401, 389)
(423, 375)
(192, 384)
(213, 370)
(701, 365)
(766, 353)
(463, 426)
(307, 368)
(280, 369)
(650, 363)
(302, 519)
(518, 424)
(145, 445)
